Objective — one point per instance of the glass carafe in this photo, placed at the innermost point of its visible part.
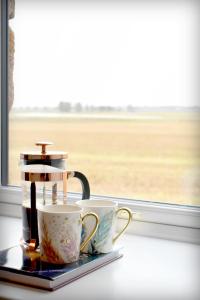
(41, 185)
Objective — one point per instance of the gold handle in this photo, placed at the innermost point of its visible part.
(84, 243)
(126, 225)
(43, 144)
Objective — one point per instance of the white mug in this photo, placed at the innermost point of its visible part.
(105, 236)
(60, 229)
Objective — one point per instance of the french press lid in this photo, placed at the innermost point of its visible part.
(43, 154)
(51, 158)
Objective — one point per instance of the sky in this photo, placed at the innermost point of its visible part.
(140, 53)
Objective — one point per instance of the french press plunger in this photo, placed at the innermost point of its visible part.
(44, 181)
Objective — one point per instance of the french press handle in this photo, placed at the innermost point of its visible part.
(84, 183)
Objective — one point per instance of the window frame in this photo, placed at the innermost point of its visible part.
(4, 92)
(171, 221)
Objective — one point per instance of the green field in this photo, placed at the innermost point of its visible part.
(139, 156)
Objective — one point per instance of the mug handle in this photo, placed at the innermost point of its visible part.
(126, 225)
(84, 243)
(84, 183)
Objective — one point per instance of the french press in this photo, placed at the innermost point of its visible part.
(44, 181)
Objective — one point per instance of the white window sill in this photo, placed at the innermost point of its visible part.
(150, 269)
(150, 219)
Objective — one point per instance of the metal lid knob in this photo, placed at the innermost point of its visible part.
(43, 144)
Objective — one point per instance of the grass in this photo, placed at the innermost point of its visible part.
(139, 157)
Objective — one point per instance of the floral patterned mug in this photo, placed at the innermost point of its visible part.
(60, 228)
(105, 237)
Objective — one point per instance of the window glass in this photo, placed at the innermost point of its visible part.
(114, 84)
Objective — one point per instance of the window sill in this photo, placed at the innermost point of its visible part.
(150, 269)
(149, 219)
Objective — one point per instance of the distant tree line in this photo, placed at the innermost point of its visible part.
(79, 108)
